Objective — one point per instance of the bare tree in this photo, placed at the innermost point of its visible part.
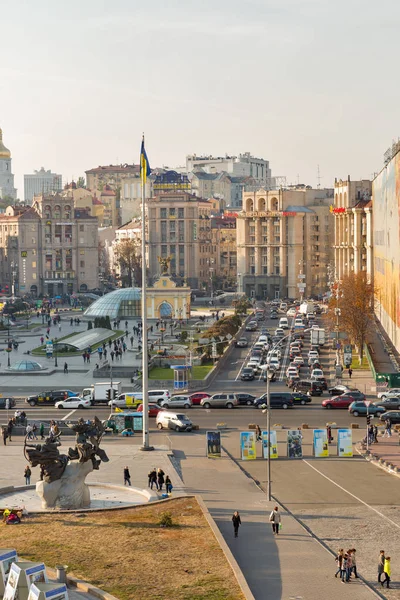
(130, 261)
(354, 296)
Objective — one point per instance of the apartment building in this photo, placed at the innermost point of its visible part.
(179, 227)
(284, 240)
(352, 212)
(224, 241)
(41, 182)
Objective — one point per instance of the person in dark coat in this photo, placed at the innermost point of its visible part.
(127, 476)
(153, 479)
(236, 522)
(160, 479)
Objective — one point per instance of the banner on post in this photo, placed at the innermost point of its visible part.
(248, 445)
(213, 439)
(294, 444)
(344, 442)
(321, 448)
(273, 445)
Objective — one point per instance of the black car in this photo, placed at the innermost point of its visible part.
(245, 399)
(4, 404)
(392, 415)
(277, 400)
(274, 315)
(389, 403)
(337, 390)
(247, 374)
(299, 398)
(47, 398)
(323, 382)
(314, 388)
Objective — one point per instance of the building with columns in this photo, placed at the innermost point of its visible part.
(6, 177)
(284, 237)
(352, 211)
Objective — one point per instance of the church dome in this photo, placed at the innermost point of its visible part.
(4, 152)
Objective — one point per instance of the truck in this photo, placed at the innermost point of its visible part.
(306, 307)
(317, 337)
(97, 392)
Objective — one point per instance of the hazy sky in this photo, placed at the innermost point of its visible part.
(298, 82)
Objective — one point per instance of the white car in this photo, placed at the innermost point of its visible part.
(274, 363)
(389, 393)
(176, 402)
(73, 402)
(291, 312)
(253, 364)
(317, 374)
(299, 360)
(275, 352)
(292, 372)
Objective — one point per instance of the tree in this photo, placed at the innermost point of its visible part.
(81, 182)
(129, 259)
(354, 296)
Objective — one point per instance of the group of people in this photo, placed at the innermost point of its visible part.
(158, 478)
(274, 519)
(346, 564)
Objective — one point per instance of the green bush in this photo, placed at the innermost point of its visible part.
(165, 519)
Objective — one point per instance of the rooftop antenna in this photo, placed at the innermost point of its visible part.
(298, 179)
(318, 178)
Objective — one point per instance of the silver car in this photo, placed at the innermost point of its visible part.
(176, 402)
(220, 401)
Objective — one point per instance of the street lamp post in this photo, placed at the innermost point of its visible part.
(8, 341)
(55, 352)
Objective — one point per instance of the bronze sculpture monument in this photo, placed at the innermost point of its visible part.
(62, 483)
(164, 263)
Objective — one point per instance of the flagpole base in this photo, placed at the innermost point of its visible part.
(146, 448)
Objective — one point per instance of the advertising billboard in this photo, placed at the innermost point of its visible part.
(320, 443)
(273, 444)
(248, 445)
(213, 439)
(294, 444)
(344, 442)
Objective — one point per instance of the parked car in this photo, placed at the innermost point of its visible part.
(337, 390)
(197, 397)
(175, 421)
(389, 393)
(73, 402)
(154, 409)
(241, 343)
(299, 398)
(245, 399)
(306, 386)
(176, 402)
(392, 415)
(220, 401)
(359, 408)
(342, 401)
(11, 402)
(277, 400)
(158, 395)
(247, 374)
(251, 326)
(392, 403)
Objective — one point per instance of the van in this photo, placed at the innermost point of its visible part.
(177, 421)
(283, 323)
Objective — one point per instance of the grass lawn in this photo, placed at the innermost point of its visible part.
(128, 554)
(198, 372)
(41, 350)
(355, 364)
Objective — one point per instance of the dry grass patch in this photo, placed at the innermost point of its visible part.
(128, 554)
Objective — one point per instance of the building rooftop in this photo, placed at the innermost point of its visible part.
(114, 169)
(299, 209)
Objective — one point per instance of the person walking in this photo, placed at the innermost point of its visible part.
(349, 565)
(236, 522)
(343, 570)
(354, 563)
(27, 475)
(168, 485)
(4, 433)
(375, 434)
(381, 565)
(153, 479)
(66, 368)
(388, 428)
(387, 572)
(275, 519)
(28, 432)
(339, 561)
(350, 372)
(258, 433)
(41, 431)
(160, 479)
(10, 427)
(127, 476)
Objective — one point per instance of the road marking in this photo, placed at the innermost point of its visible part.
(353, 496)
(246, 358)
(68, 415)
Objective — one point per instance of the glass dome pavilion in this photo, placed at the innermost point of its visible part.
(120, 304)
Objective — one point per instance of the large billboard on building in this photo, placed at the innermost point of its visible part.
(386, 239)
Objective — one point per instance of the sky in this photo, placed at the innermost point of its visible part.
(300, 83)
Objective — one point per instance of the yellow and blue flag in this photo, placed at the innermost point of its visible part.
(144, 164)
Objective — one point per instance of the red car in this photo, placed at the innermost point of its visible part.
(342, 401)
(154, 409)
(197, 397)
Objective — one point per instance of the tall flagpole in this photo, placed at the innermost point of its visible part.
(145, 365)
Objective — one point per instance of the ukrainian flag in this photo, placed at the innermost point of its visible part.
(144, 164)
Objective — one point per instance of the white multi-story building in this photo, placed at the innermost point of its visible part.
(244, 165)
(41, 182)
(6, 177)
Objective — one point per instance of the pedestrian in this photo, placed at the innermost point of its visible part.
(105, 353)
(349, 565)
(127, 476)
(388, 428)
(34, 430)
(41, 431)
(10, 427)
(4, 433)
(112, 354)
(84, 356)
(329, 433)
(88, 357)
(42, 340)
(370, 434)
(236, 522)
(387, 572)
(375, 434)
(343, 571)
(131, 341)
(275, 519)
(100, 352)
(160, 479)
(381, 565)
(126, 324)
(28, 432)
(27, 475)
(339, 561)
(71, 322)
(59, 326)
(168, 485)
(353, 558)
(350, 372)
(258, 433)
(66, 368)
(153, 479)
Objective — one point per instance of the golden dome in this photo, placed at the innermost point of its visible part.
(4, 152)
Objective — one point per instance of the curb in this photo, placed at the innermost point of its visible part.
(82, 586)
(376, 462)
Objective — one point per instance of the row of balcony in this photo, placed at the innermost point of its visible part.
(59, 274)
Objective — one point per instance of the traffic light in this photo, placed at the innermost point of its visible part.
(108, 394)
(114, 394)
(368, 419)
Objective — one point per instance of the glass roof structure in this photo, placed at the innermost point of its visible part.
(120, 304)
(82, 341)
(26, 365)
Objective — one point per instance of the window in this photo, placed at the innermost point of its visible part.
(181, 213)
(81, 251)
(172, 212)
(82, 263)
(163, 213)
(81, 228)
(34, 264)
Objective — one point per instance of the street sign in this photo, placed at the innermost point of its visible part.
(301, 285)
(302, 276)
(367, 403)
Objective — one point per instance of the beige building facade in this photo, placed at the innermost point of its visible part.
(48, 249)
(352, 212)
(284, 240)
(179, 227)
